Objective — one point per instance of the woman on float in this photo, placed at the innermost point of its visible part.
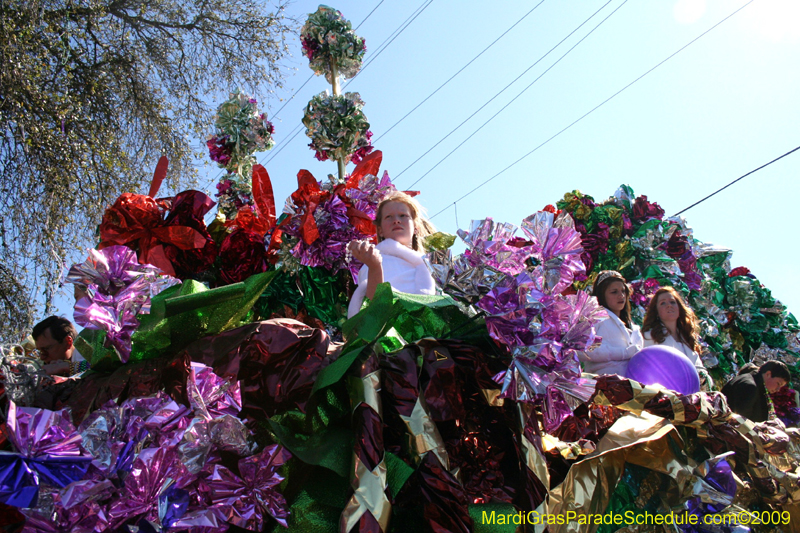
(621, 337)
(669, 321)
(398, 256)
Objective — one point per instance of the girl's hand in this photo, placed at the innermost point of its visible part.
(365, 252)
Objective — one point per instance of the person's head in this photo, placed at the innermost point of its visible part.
(54, 337)
(401, 218)
(775, 375)
(613, 293)
(667, 307)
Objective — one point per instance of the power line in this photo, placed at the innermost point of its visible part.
(518, 95)
(598, 106)
(734, 181)
(369, 15)
(501, 91)
(459, 72)
(383, 46)
(275, 114)
(296, 130)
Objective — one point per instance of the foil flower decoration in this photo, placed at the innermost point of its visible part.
(644, 210)
(491, 244)
(337, 127)
(154, 472)
(328, 38)
(547, 371)
(558, 248)
(244, 501)
(212, 396)
(240, 131)
(714, 488)
(324, 219)
(48, 450)
(525, 310)
(117, 289)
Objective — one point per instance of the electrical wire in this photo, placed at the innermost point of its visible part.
(502, 90)
(734, 181)
(557, 61)
(369, 15)
(598, 106)
(459, 72)
(296, 130)
(383, 46)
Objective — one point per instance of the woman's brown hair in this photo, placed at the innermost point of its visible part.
(422, 227)
(601, 283)
(687, 326)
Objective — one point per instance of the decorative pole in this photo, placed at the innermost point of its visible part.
(335, 123)
(337, 91)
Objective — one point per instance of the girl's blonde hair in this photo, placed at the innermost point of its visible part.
(422, 227)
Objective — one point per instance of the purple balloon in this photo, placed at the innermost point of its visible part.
(665, 366)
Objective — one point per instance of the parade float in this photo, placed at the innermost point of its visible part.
(229, 392)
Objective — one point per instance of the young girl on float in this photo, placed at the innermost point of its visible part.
(621, 337)
(397, 258)
(669, 321)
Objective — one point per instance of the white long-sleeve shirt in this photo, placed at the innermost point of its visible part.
(619, 344)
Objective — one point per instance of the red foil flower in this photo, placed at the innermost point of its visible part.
(242, 254)
(137, 221)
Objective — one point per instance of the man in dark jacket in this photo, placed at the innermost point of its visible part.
(747, 393)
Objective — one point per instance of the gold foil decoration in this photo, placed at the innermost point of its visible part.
(637, 439)
(492, 397)
(369, 486)
(369, 496)
(423, 435)
(533, 459)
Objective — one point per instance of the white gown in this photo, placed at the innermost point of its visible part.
(619, 344)
(403, 268)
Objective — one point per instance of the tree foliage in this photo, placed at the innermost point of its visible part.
(92, 93)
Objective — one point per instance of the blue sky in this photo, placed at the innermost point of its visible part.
(723, 106)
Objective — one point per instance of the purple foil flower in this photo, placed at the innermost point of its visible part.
(154, 472)
(219, 150)
(49, 449)
(118, 288)
(243, 501)
(714, 491)
(212, 396)
(489, 246)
